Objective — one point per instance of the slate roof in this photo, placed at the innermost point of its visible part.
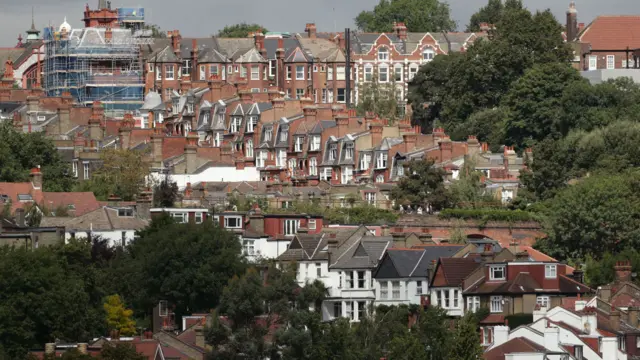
(363, 254)
(102, 219)
(403, 263)
(306, 247)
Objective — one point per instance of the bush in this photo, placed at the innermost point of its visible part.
(488, 215)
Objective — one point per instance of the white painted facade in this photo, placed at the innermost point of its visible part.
(310, 271)
(263, 248)
(399, 291)
(448, 298)
(115, 237)
(351, 293)
(212, 174)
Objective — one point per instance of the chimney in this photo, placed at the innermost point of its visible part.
(33, 103)
(125, 131)
(539, 312)
(500, 335)
(199, 330)
(572, 22)
(114, 335)
(633, 316)
(438, 134)
(623, 271)
(332, 244)
(258, 39)
(64, 121)
(446, 149)
(256, 219)
(609, 348)
(401, 30)
(303, 230)
(342, 123)
(215, 86)
(473, 146)
(522, 256)
(113, 200)
(194, 60)
(191, 152)
(143, 204)
(246, 96)
(551, 337)
(20, 217)
(278, 107)
(95, 122)
(310, 29)
(157, 138)
(280, 64)
(578, 275)
(273, 92)
(36, 178)
(589, 321)
(614, 320)
(510, 156)
(310, 113)
(409, 142)
(376, 134)
(175, 41)
(108, 35)
(82, 348)
(580, 305)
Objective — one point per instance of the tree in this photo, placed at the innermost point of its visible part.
(422, 186)
(417, 15)
(489, 14)
(240, 30)
(118, 317)
(468, 191)
(534, 103)
(165, 194)
(156, 31)
(21, 152)
(120, 351)
(379, 98)
(122, 173)
(465, 340)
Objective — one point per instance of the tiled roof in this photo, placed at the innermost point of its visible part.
(516, 345)
(12, 190)
(613, 32)
(456, 269)
(102, 219)
(83, 202)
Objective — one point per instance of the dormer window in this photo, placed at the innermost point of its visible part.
(497, 272)
(315, 143)
(428, 54)
(348, 151)
(365, 161)
(217, 139)
(268, 132)
(399, 169)
(221, 113)
(174, 108)
(205, 118)
(236, 121)
(284, 134)
(551, 271)
(383, 54)
(252, 123)
(190, 108)
(333, 151)
(298, 145)
(125, 212)
(381, 160)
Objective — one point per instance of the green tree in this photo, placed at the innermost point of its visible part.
(422, 186)
(468, 191)
(465, 340)
(240, 30)
(119, 317)
(120, 351)
(21, 152)
(489, 14)
(156, 31)
(379, 98)
(417, 15)
(165, 194)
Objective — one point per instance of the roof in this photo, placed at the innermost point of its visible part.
(364, 253)
(80, 202)
(519, 344)
(402, 263)
(101, 219)
(454, 270)
(613, 32)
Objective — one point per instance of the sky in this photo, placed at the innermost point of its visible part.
(201, 18)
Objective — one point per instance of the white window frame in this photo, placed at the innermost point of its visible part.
(248, 247)
(349, 151)
(347, 174)
(382, 160)
(288, 71)
(341, 95)
(268, 133)
(326, 174)
(333, 151)
(497, 269)
(198, 217)
(365, 161)
(593, 62)
(611, 62)
(299, 72)
(313, 166)
(272, 68)
(368, 73)
(292, 163)
(544, 301)
(370, 198)
(180, 217)
(86, 171)
(238, 220)
(398, 73)
(315, 143)
(384, 290)
(203, 72)
(252, 123)
(551, 271)
(473, 303)
(413, 70)
(495, 304)
(74, 168)
(379, 179)
(383, 71)
(236, 123)
(249, 148)
(428, 53)
(186, 67)
(169, 72)
(341, 72)
(311, 224)
(298, 144)
(261, 158)
(299, 93)
(396, 290)
(330, 72)
(383, 53)
(255, 72)
(324, 96)
(217, 139)
(420, 287)
(281, 158)
(213, 69)
(290, 227)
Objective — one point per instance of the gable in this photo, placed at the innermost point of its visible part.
(387, 270)
(360, 251)
(295, 244)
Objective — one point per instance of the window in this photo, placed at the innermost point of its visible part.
(318, 270)
(298, 144)
(380, 178)
(543, 301)
(337, 309)
(289, 72)
(333, 151)
(213, 70)
(179, 217)
(203, 72)
(365, 161)
(413, 70)
(217, 140)
(268, 132)
(350, 310)
(330, 73)
(348, 151)
(125, 212)
(418, 287)
(199, 217)
(340, 72)
(74, 168)
(315, 95)
(456, 297)
(288, 94)
(291, 227)
(299, 93)
(252, 123)
(383, 54)
(315, 143)
(347, 174)
(428, 54)
(368, 73)
(362, 309)
(315, 68)
(551, 271)
(236, 122)
(399, 169)
(435, 298)
(362, 283)
(313, 167)
(445, 299)
(168, 72)
(611, 62)
(638, 342)
(86, 174)
(383, 74)
(299, 72)
(473, 303)
(281, 159)
(261, 159)
(381, 161)
(370, 198)
(348, 279)
(150, 67)
(593, 62)
(312, 224)
(292, 164)
(577, 351)
(486, 335)
(395, 290)
(249, 149)
(324, 96)
(255, 72)
(248, 247)
(496, 304)
(397, 73)
(190, 108)
(342, 98)
(233, 222)
(326, 174)
(272, 68)
(224, 72)
(159, 74)
(497, 273)
(384, 290)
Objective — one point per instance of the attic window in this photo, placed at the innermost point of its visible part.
(42, 118)
(125, 212)
(497, 273)
(24, 197)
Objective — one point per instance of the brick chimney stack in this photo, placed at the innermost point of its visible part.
(175, 40)
(108, 35)
(401, 30)
(280, 64)
(194, 60)
(36, 177)
(310, 29)
(258, 38)
(623, 271)
(572, 22)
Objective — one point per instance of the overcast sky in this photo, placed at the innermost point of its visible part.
(204, 17)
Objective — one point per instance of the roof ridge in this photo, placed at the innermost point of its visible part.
(418, 263)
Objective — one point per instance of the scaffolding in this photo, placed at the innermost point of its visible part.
(96, 64)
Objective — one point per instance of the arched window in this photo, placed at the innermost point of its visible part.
(249, 149)
(428, 54)
(292, 164)
(380, 178)
(383, 53)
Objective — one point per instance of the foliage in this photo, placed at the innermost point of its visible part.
(358, 212)
(156, 31)
(246, 203)
(417, 15)
(516, 320)
(120, 351)
(488, 215)
(21, 152)
(602, 271)
(468, 191)
(379, 98)
(165, 194)
(122, 173)
(491, 13)
(422, 185)
(118, 317)
(597, 215)
(240, 30)
(465, 340)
